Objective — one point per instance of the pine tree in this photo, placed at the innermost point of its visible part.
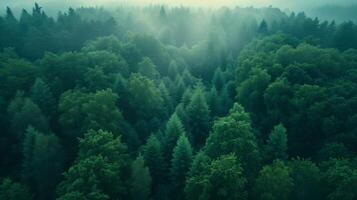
(147, 68)
(43, 162)
(140, 180)
(10, 190)
(43, 97)
(274, 182)
(263, 28)
(218, 79)
(174, 129)
(180, 164)
(198, 114)
(221, 179)
(153, 156)
(100, 170)
(234, 134)
(276, 147)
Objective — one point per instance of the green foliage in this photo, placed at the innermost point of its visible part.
(23, 113)
(180, 165)
(43, 97)
(140, 180)
(99, 171)
(198, 117)
(307, 179)
(160, 74)
(43, 162)
(276, 147)
(153, 156)
(10, 190)
(339, 175)
(274, 182)
(144, 97)
(221, 179)
(234, 134)
(83, 111)
(174, 129)
(148, 69)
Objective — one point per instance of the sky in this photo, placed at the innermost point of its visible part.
(200, 3)
(53, 6)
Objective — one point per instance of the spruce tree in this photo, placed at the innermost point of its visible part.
(43, 97)
(180, 165)
(153, 156)
(174, 129)
(43, 163)
(198, 114)
(276, 147)
(140, 180)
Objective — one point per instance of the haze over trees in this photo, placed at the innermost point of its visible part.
(160, 102)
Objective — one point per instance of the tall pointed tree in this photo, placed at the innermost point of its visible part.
(276, 147)
(222, 179)
(198, 114)
(99, 171)
(234, 134)
(274, 182)
(43, 97)
(43, 163)
(174, 129)
(153, 156)
(140, 180)
(180, 165)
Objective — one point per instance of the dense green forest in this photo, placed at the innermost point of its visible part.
(161, 102)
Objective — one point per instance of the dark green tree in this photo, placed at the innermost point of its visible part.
(140, 180)
(43, 162)
(99, 171)
(180, 165)
(221, 179)
(43, 97)
(234, 134)
(174, 129)
(274, 182)
(153, 156)
(198, 115)
(276, 147)
(10, 190)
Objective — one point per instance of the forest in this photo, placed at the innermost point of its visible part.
(163, 102)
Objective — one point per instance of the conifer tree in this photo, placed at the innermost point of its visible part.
(43, 97)
(198, 114)
(174, 129)
(180, 165)
(153, 156)
(140, 180)
(276, 147)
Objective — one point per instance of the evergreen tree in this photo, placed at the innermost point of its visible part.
(180, 165)
(153, 156)
(23, 112)
(234, 134)
(174, 129)
(307, 180)
(199, 163)
(43, 163)
(263, 28)
(43, 97)
(274, 182)
(218, 79)
(148, 69)
(140, 180)
(221, 179)
(276, 147)
(99, 171)
(198, 114)
(10, 190)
